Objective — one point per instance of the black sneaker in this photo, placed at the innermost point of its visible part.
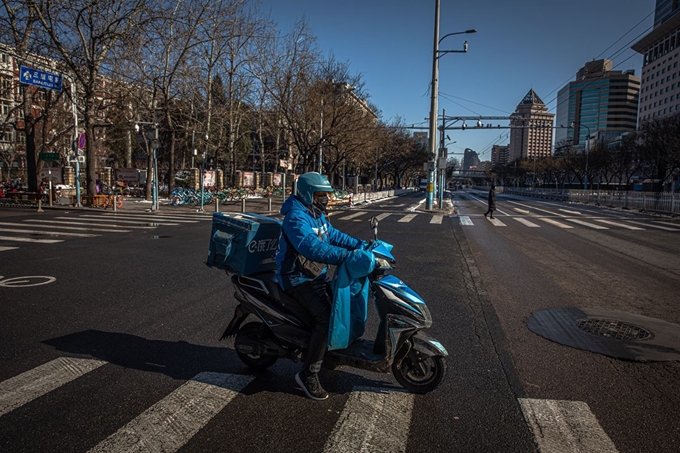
(311, 386)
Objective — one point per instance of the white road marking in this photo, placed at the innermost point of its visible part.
(590, 225)
(465, 220)
(352, 216)
(121, 220)
(523, 211)
(148, 217)
(4, 249)
(565, 426)
(407, 218)
(90, 223)
(555, 223)
(384, 215)
(37, 241)
(619, 224)
(496, 222)
(437, 219)
(669, 223)
(571, 212)
(372, 420)
(537, 209)
(51, 233)
(59, 225)
(651, 225)
(24, 388)
(527, 222)
(173, 421)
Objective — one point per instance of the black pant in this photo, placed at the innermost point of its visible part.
(314, 299)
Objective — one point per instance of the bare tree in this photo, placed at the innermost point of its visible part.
(83, 34)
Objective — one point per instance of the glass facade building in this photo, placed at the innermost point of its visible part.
(601, 104)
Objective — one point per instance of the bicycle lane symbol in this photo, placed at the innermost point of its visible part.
(23, 282)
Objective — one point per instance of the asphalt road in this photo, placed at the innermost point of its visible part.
(125, 324)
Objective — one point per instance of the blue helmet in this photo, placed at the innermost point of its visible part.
(309, 183)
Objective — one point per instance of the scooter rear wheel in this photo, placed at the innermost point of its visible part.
(252, 332)
(420, 373)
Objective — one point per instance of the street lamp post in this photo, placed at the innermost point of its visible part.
(586, 151)
(155, 144)
(433, 101)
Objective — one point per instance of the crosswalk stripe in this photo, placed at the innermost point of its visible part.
(62, 220)
(522, 211)
(619, 224)
(149, 217)
(120, 220)
(51, 233)
(669, 223)
(36, 240)
(571, 212)
(590, 225)
(407, 218)
(651, 225)
(565, 426)
(465, 220)
(372, 420)
(170, 423)
(384, 215)
(555, 223)
(4, 249)
(24, 388)
(496, 222)
(526, 222)
(60, 226)
(351, 216)
(437, 219)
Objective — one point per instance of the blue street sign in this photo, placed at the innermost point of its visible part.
(40, 78)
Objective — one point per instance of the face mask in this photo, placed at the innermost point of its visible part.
(322, 201)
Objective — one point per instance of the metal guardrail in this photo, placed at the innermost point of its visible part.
(663, 202)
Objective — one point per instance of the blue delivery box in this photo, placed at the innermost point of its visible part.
(244, 243)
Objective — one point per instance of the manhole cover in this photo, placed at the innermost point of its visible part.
(617, 330)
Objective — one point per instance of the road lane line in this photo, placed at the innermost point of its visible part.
(50, 233)
(527, 222)
(24, 388)
(4, 249)
(372, 420)
(407, 218)
(37, 241)
(87, 222)
(173, 421)
(618, 224)
(437, 219)
(465, 220)
(150, 217)
(590, 225)
(565, 426)
(523, 211)
(351, 216)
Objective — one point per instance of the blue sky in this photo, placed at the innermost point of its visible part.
(519, 45)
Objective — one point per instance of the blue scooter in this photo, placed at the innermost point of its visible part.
(401, 346)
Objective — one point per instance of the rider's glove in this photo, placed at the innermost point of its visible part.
(359, 263)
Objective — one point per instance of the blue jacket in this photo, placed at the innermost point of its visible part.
(314, 238)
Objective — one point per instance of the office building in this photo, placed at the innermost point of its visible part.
(499, 156)
(470, 160)
(660, 83)
(600, 104)
(530, 129)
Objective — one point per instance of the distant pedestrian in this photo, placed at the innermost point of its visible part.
(491, 201)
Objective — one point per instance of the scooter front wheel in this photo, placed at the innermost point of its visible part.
(251, 333)
(419, 373)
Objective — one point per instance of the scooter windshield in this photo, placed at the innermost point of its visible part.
(382, 249)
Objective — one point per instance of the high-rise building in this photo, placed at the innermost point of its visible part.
(660, 84)
(600, 103)
(470, 159)
(499, 155)
(530, 129)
